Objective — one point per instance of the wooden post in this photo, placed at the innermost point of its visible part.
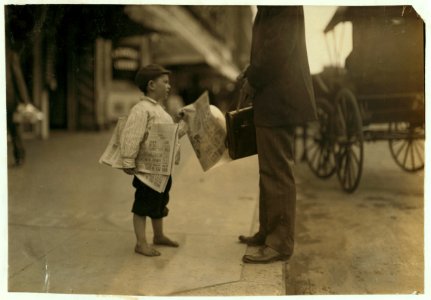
(107, 61)
(145, 51)
(45, 109)
(99, 86)
(71, 81)
(37, 78)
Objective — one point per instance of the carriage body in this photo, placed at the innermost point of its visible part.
(381, 83)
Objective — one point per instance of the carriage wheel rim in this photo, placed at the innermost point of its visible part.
(349, 161)
(409, 154)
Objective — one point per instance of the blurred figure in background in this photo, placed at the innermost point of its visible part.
(278, 82)
(19, 23)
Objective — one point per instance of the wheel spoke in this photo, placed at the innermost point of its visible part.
(341, 120)
(327, 165)
(420, 145)
(314, 155)
(319, 161)
(353, 170)
(412, 155)
(349, 168)
(355, 156)
(330, 160)
(327, 156)
(355, 162)
(345, 169)
(344, 151)
(312, 146)
(406, 153)
(416, 148)
(397, 142)
(347, 173)
(343, 180)
(344, 102)
(400, 149)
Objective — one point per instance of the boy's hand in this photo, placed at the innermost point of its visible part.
(130, 171)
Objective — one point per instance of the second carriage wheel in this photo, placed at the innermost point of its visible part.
(318, 141)
(408, 151)
(349, 140)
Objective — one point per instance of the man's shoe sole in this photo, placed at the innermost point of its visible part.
(256, 260)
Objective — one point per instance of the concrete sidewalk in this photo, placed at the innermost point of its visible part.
(70, 226)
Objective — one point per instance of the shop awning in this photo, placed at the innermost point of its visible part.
(339, 16)
(180, 24)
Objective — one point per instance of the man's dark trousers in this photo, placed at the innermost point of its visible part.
(277, 199)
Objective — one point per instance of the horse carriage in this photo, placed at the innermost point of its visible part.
(377, 95)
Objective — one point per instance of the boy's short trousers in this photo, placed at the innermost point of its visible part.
(149, 202)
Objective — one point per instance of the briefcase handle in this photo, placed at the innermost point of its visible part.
(241, 99)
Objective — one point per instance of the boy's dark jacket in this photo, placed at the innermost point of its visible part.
(279, 69)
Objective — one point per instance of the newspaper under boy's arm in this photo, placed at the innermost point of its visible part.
(131, 138)
(158, 149)
(112, 154)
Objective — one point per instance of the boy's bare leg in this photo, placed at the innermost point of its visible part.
(159, 237)
(142, 246)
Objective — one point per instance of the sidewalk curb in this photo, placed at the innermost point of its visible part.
(256, 279)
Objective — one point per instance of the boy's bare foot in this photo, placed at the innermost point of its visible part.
(146, 250)
(165, 241)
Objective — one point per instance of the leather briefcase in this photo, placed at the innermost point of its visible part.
(241, 133)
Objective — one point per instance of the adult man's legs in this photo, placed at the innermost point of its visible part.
(277, 191)
(258, 239)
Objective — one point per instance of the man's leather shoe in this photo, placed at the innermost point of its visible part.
(254, 240)
(266, 255)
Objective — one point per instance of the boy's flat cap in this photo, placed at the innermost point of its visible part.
(147, 73)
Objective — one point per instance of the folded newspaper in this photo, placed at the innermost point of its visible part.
(155, 161)
(206, 129)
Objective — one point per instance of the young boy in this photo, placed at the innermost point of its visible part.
(153, 81)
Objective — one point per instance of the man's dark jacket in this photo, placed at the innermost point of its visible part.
(279, 69)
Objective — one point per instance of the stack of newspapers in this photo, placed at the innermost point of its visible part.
(154, 167)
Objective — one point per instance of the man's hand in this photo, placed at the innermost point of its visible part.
(247, 91)
(241, 75)
(182, 128)
(184, 112)
(130, 171)
(178, 157)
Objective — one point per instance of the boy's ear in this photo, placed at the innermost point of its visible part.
(150, 84)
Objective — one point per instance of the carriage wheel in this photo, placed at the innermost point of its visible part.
(408, 153)
(348, 147)
(318, 143)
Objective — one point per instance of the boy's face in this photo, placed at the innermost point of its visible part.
(160, 88)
